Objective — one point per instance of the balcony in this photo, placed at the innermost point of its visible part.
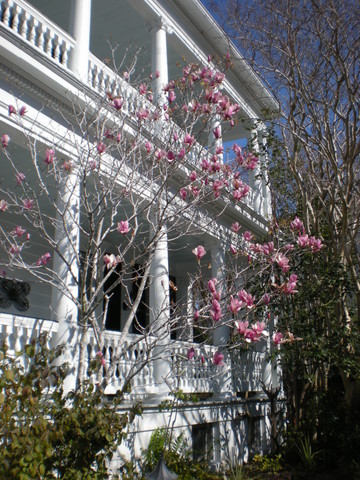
(191, 376)
(45, 48)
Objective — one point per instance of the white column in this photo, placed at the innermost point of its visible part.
(159, 62)
(256, 177)
(264, 166)
(214, 142)
(66, 266)
(222, 382)
(80, 23)
(160, 312)
(221, 334)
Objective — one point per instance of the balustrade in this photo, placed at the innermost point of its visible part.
(38, 31)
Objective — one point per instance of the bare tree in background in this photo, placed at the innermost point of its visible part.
(308, 54)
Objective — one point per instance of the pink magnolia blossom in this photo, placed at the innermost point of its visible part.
(118, 103)
(268, 248)
(196, 315)
(212, 285)
(157, 74)
(297, 225)
(43, 260)
(67, 165)
(160, 154)
(205, 165)
(195, 191)
(142, 89)
(193, 176)
(49, 156)
(123, 227)
(247, 236)
(15, 249)
(18, 231)
(183, 193)
(22, 111)
(111, 260)
(101, 148)
(142, 113)
(28, 203)
(283, 262)
(170, 156)
(191, 353)
(315, 244)
(251, 161)
(20, 177)
(259, 328)
(246, 299)
(118, 137)
(266, 299)
(108, 134)
(181, 154)
(251, 335)
(303, 241)
(199, 252)
(241, 327)
(93, 164)
(171, 96)
(148, 147)
(217, 132)
(3, 206)
(219, 150)
(235, 227)
(215, 312)
(188, 140)
(256, 248)
(175, 137)
(5, 139)
(169, 86)
(278, 338)
(202, 359)
(218, 359)
(217, 186)
(290, 286)
(101, 357)
(12, 109)
(241, 193)
(233, 250)
(234, 306)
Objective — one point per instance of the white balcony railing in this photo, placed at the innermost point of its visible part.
(191, 376)
(37, 30)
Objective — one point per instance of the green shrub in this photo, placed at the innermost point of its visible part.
(47, 434)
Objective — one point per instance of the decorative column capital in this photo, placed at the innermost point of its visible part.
(159, 24)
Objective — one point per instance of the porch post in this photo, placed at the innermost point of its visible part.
(213, 141)
(159, 62)
(222, 381)
(263, 158)
(66, 266)
(80, 24)
(160, 311)
(255, 177)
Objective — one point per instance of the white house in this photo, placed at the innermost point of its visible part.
(55, 60)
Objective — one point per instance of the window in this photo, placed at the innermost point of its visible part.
(203, 442)
(113, 314)
(141, 321)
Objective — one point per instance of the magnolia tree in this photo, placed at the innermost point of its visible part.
(117, 183)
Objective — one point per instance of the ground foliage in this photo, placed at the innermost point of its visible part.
(48, 434)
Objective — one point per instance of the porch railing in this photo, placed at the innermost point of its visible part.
(195, 375)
